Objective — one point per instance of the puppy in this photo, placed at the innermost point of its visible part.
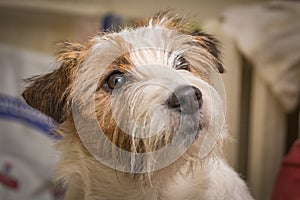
(140, 115)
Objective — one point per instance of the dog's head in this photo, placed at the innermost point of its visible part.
(140, 98)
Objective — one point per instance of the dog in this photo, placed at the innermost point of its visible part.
(140, 115)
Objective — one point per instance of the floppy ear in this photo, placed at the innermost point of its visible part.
(211, 45)
(50, 93)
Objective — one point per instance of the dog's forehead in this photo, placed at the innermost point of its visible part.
(151, 45)
(147, 45)
(149, 37)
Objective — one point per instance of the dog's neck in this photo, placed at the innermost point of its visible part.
(106, 183)
(86, 178)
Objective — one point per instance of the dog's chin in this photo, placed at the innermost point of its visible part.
(183, 137)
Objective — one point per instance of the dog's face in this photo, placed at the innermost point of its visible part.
(139, 99)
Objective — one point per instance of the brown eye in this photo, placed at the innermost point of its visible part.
(182, 64)
(115, 80)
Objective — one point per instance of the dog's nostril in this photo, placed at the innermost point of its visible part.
(186, 99)
(173, 101)
(198, 94)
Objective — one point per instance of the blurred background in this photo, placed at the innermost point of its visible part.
(260, 46)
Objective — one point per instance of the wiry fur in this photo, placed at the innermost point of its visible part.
(147, 55)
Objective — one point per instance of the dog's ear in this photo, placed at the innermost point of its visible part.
(49, 93)
(211, 44)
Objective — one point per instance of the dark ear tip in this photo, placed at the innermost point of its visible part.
(26, 96)
(221, 69)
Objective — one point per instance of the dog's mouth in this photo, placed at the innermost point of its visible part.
(138, 136)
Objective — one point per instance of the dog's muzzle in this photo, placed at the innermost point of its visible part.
(185, 99)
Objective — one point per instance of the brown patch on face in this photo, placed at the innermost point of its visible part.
(103, 103)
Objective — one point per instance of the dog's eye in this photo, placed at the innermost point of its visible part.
(115, 80)
(182, 64)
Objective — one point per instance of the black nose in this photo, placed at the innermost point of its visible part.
(186, 99)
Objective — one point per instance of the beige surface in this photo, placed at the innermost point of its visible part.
(36, 24)
(267, 136)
